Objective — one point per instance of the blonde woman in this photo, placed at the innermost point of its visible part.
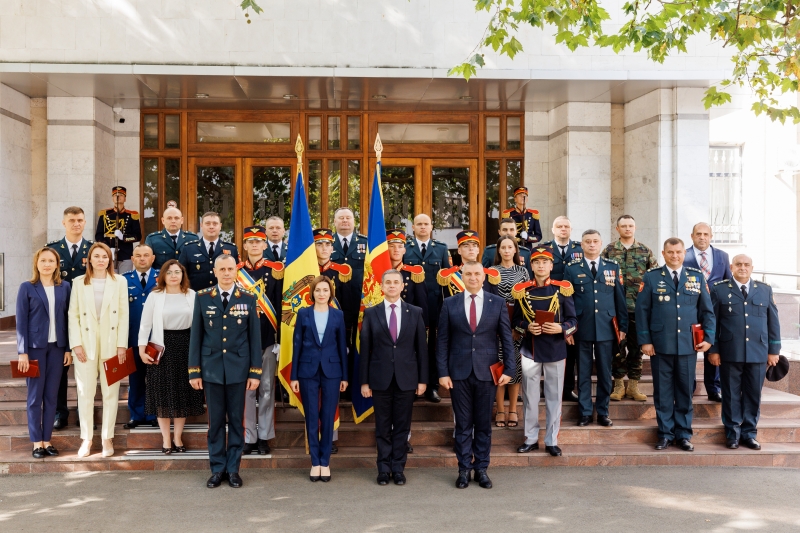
(98, 330)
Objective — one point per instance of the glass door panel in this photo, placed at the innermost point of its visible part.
(216, 191)
(402, 191)
(272, 193)
(454, 198)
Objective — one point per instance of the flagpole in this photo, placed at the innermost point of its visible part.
(378, 150)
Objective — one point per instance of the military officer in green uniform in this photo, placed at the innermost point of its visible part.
(529, 231)
(634, 259)
(73, 250)
(672, 299)
(507, 227)
(168, 243)
(119, 228)
(432, 255)
(225, 361)
(198, 256)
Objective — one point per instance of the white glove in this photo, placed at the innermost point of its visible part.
(118, 234)
(524, 235)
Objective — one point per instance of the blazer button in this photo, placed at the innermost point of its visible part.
(112, 327)
(87, 329)
(115, 312)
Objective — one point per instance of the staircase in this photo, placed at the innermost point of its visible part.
(629, 442)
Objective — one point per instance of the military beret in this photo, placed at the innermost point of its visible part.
(779, 371)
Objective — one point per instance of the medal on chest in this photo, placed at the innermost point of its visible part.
(610, 277)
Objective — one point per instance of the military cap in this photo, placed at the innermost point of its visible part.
(396, 235)
(541, 253)
(255, 232)
(119, 188)
(467, 236)
(779, 371)
(323, 234)
(521, 190)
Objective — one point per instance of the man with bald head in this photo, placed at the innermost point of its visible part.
(747, 340)
(168, 243)
(714, 265)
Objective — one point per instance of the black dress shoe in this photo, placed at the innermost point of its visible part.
(584, 421)
(525, 448)
(663, 444)
(325, 479)
(234, 480)
(178, 449)
(603, 420)
(215, 480)
(463, 479)
(685, 445)
(433, 396)
(483, 479)
(51, 451)
(732, 444)
(555, 451)
(399, 478)
(39, 453)
(59, 423)
(334, 448)
(132, 424)
(248, 448)
(409, 447)
(714, 397)
(753, 444)
(263, 447)
(383, 478)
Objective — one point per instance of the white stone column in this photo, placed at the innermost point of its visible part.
(15, 194)
(580, 167)
(692, 184)
(536, 166)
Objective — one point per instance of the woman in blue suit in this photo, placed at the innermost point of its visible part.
(42, 305)
(319, 371)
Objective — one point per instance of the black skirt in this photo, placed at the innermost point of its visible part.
(168, 393)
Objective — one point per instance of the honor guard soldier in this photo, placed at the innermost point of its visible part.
(672, 300)
(529, 231)
(747, 341)
(469, 246)
(599, 298)
(564, 249)
(414, 291)
(198, 256)
(225, 361)
(168, 243)
(265, 279)
(119, 228)
(544, 347)
(432, 255)
(508, 228)
(342, 275)
(73, 251)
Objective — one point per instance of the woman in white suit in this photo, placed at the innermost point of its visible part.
(98, 330)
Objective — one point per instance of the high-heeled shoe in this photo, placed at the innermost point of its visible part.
(85, 449)
(178, 449)
(323, 477)
(314, 477)
(108, 449)
(167, 451)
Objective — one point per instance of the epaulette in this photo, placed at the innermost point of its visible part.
(277, 268)
(490, 246)
(134, 214)
(443, 276)
(493, 274)
(720, 282)
(574, 262)
(417, 272)
(155, 233)
(695, 269)
(239, 265)
(518, 291)
(205, 291)
(535, 213)
(438, 241)
(240, 290)
(345, 271)
(359, 235)
(654, 268)
(126, 273)
(54, 242)
(520, 247)
(510, 209)
(192, 242)
(564, 287)
(610, 261)
(102, 212)
(546, 243)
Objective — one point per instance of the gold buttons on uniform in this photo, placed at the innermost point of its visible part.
(224, 351)
(224, 316)
(679, 331)
(224, 339)
(224, 327)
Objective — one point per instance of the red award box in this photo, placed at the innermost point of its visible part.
(543, 317)
(115, 370)
(33, 370)
(497, 371)
(697, 334)
(155, 351)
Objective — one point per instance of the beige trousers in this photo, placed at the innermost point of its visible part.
(86, 375)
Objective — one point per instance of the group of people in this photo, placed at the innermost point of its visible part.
(524, 312)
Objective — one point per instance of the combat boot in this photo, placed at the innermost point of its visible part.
(619, 390)
(633, 391)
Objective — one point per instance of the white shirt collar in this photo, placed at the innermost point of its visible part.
(426, 243)
(270, 244)
(70, 244)
(139, 274)
(678, 270)
(207, 243)
(478, 296)
(747, 284)
(387, 303)
(173, 234)
(229, 291)
(589, 263)
(343, 237)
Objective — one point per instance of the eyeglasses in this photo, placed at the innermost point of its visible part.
(174, 272)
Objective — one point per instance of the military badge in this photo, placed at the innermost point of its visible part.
(610, 277)
(226, 252)
(361, 248)
(666, 298)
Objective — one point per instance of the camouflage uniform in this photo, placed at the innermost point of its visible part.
(633, 263)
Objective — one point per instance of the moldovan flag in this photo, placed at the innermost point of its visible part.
(376, 262)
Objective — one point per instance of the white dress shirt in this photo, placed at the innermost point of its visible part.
(208, 243)
(676, 270)
(747, 285)
(349, 239)
(478, 305)
(50, 292)
(397, 313)
(70, 244)
(597, 264)
(709, 257)
(146, 273)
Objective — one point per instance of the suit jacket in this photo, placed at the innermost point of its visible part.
(598, 299)
(163, 247)
(747, 330)
(309, 354)
(225, 344)
(722, 264)
(112, 324)
(665, 315)
(33, 316)
(137, 296)
(459, 351)
(381, 358)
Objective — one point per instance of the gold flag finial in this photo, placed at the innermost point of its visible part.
(378, 146)
(298, 149)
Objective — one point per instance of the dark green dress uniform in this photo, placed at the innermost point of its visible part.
(665, 313)
(350, 298)
(199, 266)
(127, 222)
(165, 247)
(599, 298)
(70, 269)
(529, 231)
(524, 255)
(225, 350)
(572, 252)
(748, 330)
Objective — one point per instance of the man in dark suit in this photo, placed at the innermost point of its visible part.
(198, 257)
(714, 264)
(168, 243)
(394, 366)
(471, 324)
(225, 361)
(747, 340)
(276, 248)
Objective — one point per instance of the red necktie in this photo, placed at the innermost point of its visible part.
(473, 314)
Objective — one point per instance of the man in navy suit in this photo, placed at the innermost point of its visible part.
(141, 280)
(276, 230)
(714, 264)
(471, 324)
(747, 340)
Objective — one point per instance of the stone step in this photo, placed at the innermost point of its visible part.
(13, 390)
(5, 370)
(783, 455)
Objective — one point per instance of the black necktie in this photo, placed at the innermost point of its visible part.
(424, 249)
(744, 291)
(174, 240)
(74, 251)
(344, 246)
(211, 250)
(594, 270)
(275, 253)
(225, 301)
(144, 279)
(563, 251)
(675, 278)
